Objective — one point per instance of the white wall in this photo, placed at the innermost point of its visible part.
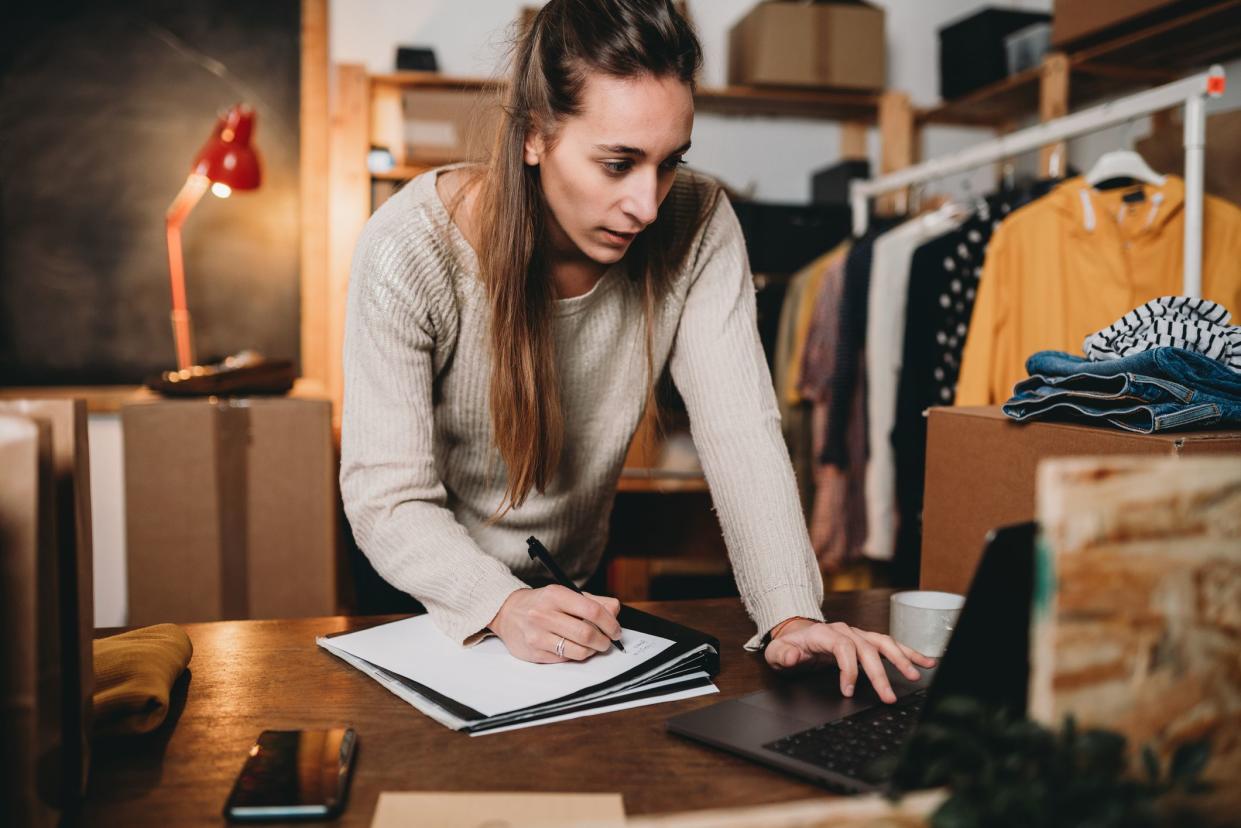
(107, 495)
(772, 156)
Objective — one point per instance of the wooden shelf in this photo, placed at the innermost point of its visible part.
(993, 104)
(836, 104)
(405, 172)
(789, 102)
(1191, 40)
(1016, 97)
(434, 80)
(105, 399)
(643, 481)
(1158, 53)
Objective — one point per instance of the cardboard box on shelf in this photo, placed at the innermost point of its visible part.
(980, 473)
(837, 44)
(443, 125)
(1078, 22)
(230, 509)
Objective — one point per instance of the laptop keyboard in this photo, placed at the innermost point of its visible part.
(850, 746)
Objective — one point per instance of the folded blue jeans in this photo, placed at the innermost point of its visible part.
(1157, 390)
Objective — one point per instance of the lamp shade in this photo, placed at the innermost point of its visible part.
(228, 157)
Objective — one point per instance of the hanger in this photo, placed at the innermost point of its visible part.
(1053, 163)
(1122, 164)
(1009, 175)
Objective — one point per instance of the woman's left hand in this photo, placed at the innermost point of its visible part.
(802, 641)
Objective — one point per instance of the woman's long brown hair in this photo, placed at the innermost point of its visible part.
(567, 40)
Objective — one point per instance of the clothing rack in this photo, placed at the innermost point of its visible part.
(1190, 92)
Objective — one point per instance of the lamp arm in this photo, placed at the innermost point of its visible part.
(192, 191)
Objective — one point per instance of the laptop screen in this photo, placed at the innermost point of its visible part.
(988, 657)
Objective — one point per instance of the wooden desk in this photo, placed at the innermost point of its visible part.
(247, 676)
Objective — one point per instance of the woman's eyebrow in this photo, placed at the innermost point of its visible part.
(622, 149)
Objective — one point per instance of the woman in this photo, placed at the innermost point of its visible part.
(505, 328)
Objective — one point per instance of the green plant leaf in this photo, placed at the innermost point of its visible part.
(957, 812)
(1189, 760)
(1151, 762)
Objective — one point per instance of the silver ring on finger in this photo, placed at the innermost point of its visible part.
(560, 648)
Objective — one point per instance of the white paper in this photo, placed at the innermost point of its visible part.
(439, 714)
(486, 677)
(424, 705)
(682, 694)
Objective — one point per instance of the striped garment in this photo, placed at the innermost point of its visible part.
(1170, 321)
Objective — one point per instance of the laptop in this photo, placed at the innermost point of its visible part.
(807, 728)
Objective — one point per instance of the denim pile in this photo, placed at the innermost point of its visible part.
(1137, 382)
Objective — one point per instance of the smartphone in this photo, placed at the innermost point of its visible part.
(294, 774)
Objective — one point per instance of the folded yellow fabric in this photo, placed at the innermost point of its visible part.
(134, 674)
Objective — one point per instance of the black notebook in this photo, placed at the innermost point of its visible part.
(483, 689)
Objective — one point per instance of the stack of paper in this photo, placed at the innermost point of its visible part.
(484, 689)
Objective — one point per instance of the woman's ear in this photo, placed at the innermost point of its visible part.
(534, 147)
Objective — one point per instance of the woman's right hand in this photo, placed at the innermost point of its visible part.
(531, 623)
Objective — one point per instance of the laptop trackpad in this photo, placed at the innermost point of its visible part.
(815, 697)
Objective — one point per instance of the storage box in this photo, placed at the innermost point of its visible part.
(831, 184)
(1026, 48)
(782, 238)
(980, 473)
(443, 125)
(1077, 22)
(230, 509)
(972, 53)
(838, 44)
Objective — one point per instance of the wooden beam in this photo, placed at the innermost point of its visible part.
(388, 121)
(853, 141)
(896, 135)
(313, 175)
(348, 209)
(1053, 102)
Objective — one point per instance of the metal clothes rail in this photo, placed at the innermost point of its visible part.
(1191, 92)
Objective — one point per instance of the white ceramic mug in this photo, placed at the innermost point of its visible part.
(924, 620)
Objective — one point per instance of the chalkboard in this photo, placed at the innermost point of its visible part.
(103, 106)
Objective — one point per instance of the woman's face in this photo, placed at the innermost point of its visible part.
(610, 167)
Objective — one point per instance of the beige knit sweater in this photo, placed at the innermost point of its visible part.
(420, 475)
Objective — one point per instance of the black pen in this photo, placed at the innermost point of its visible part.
(539, 553)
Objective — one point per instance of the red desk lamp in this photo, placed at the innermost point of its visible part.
(227, 162)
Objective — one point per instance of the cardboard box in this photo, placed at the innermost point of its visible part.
(1080, 21)
(444, 125)
(46, 674)
(66, 577)
(1135, 620)
(839, 44)
(230, 509)
(980, 473)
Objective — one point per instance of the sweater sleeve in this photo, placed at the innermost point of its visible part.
(393, 495)
(718, 366)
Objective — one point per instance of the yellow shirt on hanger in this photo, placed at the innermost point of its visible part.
(814, 275)
(1078, 259)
